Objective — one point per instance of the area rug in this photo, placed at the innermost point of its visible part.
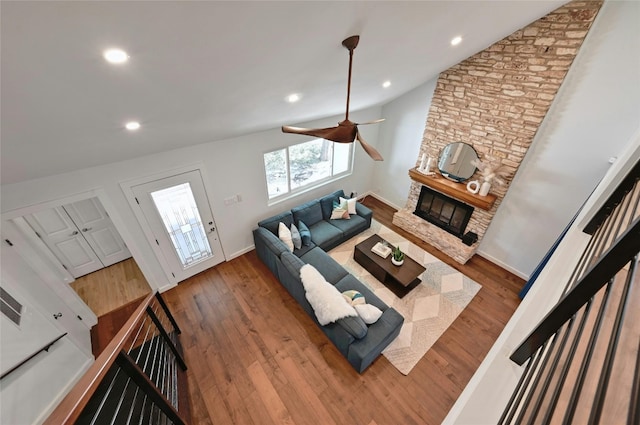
(428, 310)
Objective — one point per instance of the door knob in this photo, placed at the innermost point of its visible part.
(75, 232)
(86, 229)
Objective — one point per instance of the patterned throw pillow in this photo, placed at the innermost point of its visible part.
(369, 313)
(340, 211)
(353, 297)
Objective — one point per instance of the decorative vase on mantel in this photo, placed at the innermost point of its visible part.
(484, 188)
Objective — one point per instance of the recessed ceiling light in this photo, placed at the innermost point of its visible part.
(386, 84)
(115, 56)
(292, 98)
(132, 125)
(456, 40)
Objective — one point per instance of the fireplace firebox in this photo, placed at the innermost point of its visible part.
(447, 213)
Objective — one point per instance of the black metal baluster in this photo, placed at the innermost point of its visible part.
(553, 401)
(167, 338)
(601, 391)
(128, 365)
(586, 360)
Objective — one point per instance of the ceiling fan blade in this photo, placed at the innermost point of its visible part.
(370, 122)
(374, 154)
(340, 134)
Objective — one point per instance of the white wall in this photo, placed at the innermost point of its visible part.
(594, 116)
(233, 166)
(31, 392)
(490, 388)
(399, 143)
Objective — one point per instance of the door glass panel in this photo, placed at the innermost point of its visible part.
(181, 218)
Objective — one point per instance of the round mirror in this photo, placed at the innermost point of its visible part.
(455, 161)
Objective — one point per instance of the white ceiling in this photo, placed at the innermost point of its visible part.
(205, 71)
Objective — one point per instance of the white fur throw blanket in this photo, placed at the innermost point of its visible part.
(327, 302)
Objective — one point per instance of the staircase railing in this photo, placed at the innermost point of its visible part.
(583, 359)
(140, 378)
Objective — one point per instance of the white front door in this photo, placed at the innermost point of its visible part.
(64, 239)
(182, 226)
(95, 225)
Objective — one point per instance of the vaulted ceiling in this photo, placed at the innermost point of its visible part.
(205, 71)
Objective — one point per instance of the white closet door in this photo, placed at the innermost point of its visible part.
(60, 234)
(91, 218)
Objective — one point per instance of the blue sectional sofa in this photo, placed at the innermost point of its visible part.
(358, 342)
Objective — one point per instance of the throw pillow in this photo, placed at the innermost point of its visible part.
(305, 233)
(351, 204)
(325, 299)
(295, 237)
(285, 235)
(369, 313)
(354, 297)
(340, 211)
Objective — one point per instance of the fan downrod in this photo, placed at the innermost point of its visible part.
(351, 42)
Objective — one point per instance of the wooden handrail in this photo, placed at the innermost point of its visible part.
(35, 353)
(72, 404)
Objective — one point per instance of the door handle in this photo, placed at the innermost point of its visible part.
(86, 229)
(75, 232)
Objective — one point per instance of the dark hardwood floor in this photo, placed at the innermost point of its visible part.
(255, 357)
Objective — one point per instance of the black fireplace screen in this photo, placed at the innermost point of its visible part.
(443, 211)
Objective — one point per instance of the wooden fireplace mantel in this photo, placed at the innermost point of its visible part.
(455, 190)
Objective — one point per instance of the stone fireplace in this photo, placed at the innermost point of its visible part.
(494, 101)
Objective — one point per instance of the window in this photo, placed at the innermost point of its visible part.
(305, 165)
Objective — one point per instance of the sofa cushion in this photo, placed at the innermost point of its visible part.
(354, 325)
(304, 249)
(272, 223)
(271, 241)
(325, 235)
(350, 227)
(331, 270)
(326, 203)
(310, 213)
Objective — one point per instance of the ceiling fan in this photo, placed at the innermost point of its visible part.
(346, 131)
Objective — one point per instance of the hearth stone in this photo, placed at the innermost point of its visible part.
(435, 236)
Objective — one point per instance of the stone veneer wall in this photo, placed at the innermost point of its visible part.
(495, 101)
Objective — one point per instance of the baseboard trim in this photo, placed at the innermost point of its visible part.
(241, 252)
(381, 199)
(502, 264)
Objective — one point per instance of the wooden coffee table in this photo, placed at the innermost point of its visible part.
(399, 279)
